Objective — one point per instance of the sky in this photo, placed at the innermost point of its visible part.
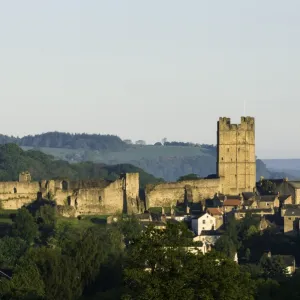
(152, 69)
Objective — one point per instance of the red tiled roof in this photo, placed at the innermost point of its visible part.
(232, 202)
(214, 211)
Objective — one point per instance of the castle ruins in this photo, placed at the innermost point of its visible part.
(236, 173)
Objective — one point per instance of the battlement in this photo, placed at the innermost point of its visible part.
(247, 123)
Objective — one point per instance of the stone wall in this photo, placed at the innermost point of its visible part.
(132, 189)
(167, 194)
(15, 187)
(85, 197)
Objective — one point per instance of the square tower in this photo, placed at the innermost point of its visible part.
(236, 161)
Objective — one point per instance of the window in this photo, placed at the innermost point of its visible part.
(211, 221)
(203, 222)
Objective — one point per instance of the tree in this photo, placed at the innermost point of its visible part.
(156, 270)
(24, 226)
(273, 267)
(225, 245)
(247, 254)
(188, 177)
(11, 249)
(140, 142)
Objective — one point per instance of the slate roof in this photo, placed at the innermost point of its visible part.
(292, 212)
(256, 210)
(248, 202)
(294, 184)
(266, 198)
(248, 195)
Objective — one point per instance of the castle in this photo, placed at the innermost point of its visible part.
(236, 169)
(236, 173)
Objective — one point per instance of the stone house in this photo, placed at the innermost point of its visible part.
(231, 204)
(240, 214)
(249, 204)
(203, 222)
(286, 187)
(268, 201)
(218, 214)
(291, 216)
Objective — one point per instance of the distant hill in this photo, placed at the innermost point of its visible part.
(169, 161)
(14, 160)
(69, 141)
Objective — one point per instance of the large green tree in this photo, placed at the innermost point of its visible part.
(156, 270)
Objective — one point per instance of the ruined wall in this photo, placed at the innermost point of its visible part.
(106, 200)
(132, 187)
(16, 201)
(167, 194)
(236, 160)
(15, 187)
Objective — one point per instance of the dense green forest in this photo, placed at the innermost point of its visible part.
(167, 160)
(14, 160)
(45, 257)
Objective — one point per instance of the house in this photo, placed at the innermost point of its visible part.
(240, 214)
(291, 217)
(218, 214)
(267, 201)
(250, 204)
(231, 203)
(286, 187)
(203, 222)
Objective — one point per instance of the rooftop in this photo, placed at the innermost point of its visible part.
(292, 212)
(214, 211)
(232, 202)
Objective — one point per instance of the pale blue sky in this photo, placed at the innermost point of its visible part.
(152, 69)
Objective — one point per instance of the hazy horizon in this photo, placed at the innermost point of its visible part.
(149, 70)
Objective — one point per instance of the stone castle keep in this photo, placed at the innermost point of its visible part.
(236, 173)
(236, 169)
